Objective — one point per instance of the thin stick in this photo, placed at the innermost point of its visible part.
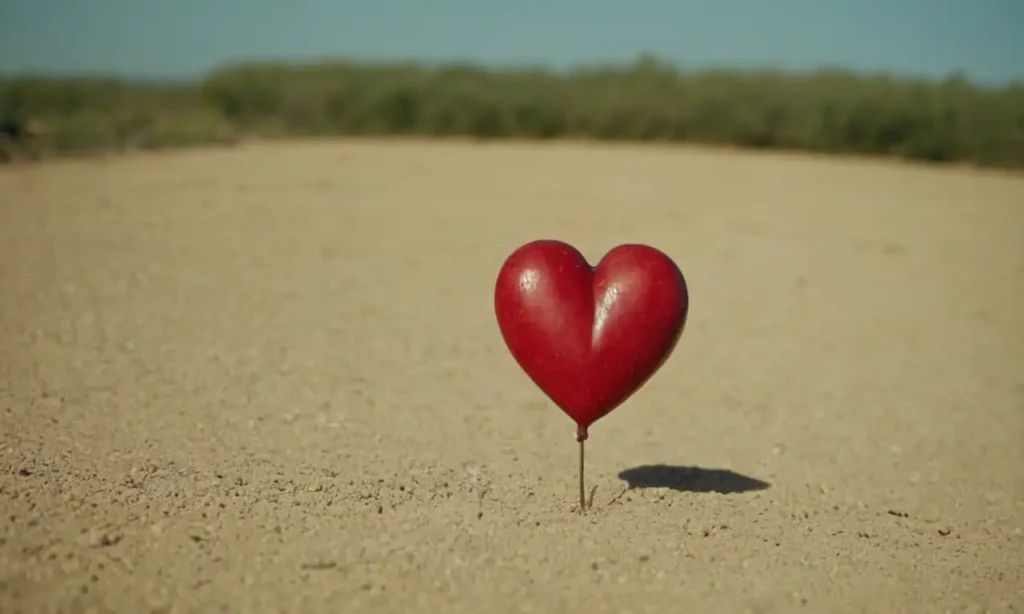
(581, 436)
(583, 500)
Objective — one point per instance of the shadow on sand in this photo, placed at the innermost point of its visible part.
(690, 479)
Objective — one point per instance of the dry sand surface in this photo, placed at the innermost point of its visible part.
(270, 380)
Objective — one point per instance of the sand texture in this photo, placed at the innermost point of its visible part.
(270, 379)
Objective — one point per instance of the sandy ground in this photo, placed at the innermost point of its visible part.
(270, 380)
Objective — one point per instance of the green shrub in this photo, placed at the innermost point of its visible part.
(825, 111)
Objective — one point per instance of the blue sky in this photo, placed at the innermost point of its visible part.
(184, 38)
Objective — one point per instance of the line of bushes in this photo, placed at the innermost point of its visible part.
(827, 111)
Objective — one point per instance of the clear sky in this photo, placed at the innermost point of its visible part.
(184, 38)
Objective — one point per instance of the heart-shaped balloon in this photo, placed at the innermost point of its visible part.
(588, 336)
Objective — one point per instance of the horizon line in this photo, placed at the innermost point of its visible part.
(550, 67)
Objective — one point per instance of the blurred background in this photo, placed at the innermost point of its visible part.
(931, 80)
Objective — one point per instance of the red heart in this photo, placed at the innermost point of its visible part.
(590, 337)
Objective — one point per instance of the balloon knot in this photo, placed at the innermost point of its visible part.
(581, 433)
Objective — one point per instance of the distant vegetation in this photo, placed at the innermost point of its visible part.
(827, 111)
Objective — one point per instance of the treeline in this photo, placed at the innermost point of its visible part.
(826, 111)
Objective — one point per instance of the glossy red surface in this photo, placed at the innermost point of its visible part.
(590, 337)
